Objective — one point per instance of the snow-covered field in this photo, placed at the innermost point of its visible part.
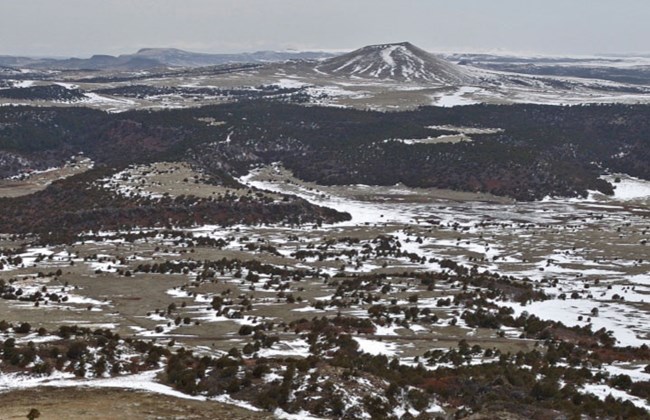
(546, 232)
(586, 254)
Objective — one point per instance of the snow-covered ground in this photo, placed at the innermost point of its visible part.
(565, 220)
(629, 188)
(459, 98)
(376, 347)
(142, 382)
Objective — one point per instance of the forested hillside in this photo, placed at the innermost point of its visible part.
(538, 151)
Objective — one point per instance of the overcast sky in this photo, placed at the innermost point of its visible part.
(85, 27)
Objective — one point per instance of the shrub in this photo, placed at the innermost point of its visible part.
(76, 350)
(23, 328)
(33, 414)
(621, 382)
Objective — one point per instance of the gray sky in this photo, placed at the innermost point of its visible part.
(86, 27)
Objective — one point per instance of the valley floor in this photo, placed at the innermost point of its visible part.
(583, 254)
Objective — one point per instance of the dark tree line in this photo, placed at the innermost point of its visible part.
(542, 150)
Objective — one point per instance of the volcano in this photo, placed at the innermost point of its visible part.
(402, 62)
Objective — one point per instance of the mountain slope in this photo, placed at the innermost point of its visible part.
(399, 62)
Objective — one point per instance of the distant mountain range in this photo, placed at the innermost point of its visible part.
(399, 62)
(395, 63)
(151, 58)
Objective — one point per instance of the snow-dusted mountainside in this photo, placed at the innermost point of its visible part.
(401, 62)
